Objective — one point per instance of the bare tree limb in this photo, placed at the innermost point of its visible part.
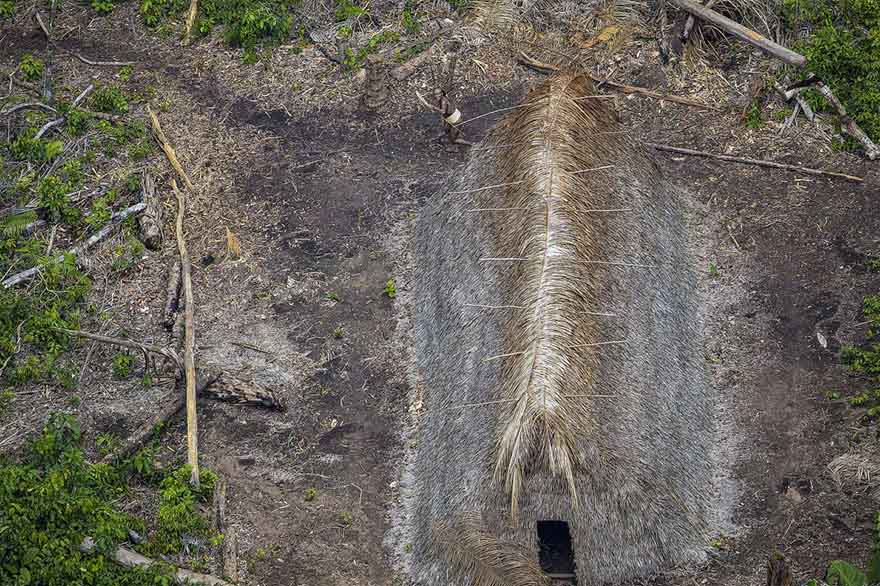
(529, 61)
(759, 162)
(104, 63)
(872, 151)
(168, 149)
(24, 105)
(132, 559)
(79, 249)
(742, 33)
(192, 424)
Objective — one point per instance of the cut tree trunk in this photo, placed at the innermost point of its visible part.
(151, 219)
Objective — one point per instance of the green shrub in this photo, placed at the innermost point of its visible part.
(51, 501)
(346, 9)
(7, 9)
(109, 99)
(178, 514)
(103, 6)
(122, 364)
(390, 289)
(865, 360)
(31, 67)
(844, 51)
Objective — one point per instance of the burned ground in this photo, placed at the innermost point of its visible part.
(322, 194)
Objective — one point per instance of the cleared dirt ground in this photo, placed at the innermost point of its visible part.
(322, 194)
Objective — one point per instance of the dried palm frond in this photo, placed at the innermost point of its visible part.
(482, 558)
(856, 472)
(494, 15)
(543, 419)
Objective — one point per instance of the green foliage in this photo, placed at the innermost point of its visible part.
(339, 332)
(7, 9)
(354, 59)
(844, 51)
(753, 116)
(865, 360)
(100, 213)
(178, 514)
(249, 24)
(109, 99)
(127, 254)
(333, 297)
(844, 574)
(31, 67)
(103, 6)
(409, 19)
(346, 9)
(390, 289)
(54, 195)
(77, 122)
(6, 398)
(107, 443)
(122, 364)
(346, 518)
(52, 500)
(310, 494)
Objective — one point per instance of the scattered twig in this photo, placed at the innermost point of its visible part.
(79, 249)
(48, 125)
(82, 95)
(104, 63)
(131, 559)
(192, 437)
(190, 20)
(530, 61)
(761, 163)
(168, 149)
(742, 33)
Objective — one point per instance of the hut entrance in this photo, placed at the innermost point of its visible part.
(555, 552)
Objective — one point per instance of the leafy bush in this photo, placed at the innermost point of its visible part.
(844, 51)
(122, 364)
(865, 359)
(109, 99)
(51, 501)
(31, 67)
(7, 8)
(178, 516)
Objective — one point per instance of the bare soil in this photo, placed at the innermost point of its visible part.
(321, 193)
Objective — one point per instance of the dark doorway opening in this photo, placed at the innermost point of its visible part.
(555, 552)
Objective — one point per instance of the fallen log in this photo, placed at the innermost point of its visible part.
(132, 559)
(150, 221)
(169, 151)
(192, 423)
(872, 151)
(172, 297)
(115, 219)
(759, 162)
(742, 33)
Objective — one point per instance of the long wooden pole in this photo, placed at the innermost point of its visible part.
(192, 423)
(741, 32)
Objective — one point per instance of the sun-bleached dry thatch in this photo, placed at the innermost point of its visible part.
(558, 342)
(482, 556)
(857, 471)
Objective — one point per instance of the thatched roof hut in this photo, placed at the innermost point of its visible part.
(558, 343)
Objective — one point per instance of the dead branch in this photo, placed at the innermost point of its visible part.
(151, 220)
(742, 33)
(192, 438)
(59, 121)
(169, 406)
(130, 344)
(801, 102)
(872, 151)
(24, 105)
(79, 249)
(132, 559)
(40, 22)
(104, 63)
(529, 61)
(219, 501)
(229, 389)
(230, 555)
(172, 296)
(190, 20)
(168, 149)
(761, 163)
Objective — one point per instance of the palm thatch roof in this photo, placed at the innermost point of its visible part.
(558, 342)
